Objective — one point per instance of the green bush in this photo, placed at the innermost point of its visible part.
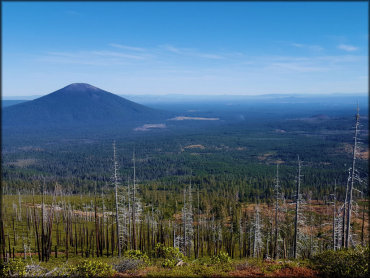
(15, 267)
(343, 263)
(137, 255)
(221, 258)
(91, 268)
(171, 255)
(203, 261)
(222, 261)
(204, 270)
(169, 263)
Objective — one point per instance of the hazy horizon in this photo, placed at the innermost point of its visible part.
(362, 94)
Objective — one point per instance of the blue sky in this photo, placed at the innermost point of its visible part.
(186, 48)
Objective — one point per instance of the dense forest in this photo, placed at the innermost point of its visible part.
(260, 190)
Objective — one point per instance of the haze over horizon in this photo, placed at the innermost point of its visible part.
(210, 48)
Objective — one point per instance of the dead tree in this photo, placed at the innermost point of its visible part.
(2, 232)
(296, 220)
(36, 226)
(353, 169)
(277, 208)
(338, 227)
(187, 220)
(20, 206)
(116, 184)
(96, 225)
(343, 232)
(136, 207)
(334, 213)
(198, 226)
(241, 233)
(257, 242)
(48, 226)
(363, 225)
(124, 217)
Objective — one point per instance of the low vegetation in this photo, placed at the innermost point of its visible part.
(343, 263)
(169, 262)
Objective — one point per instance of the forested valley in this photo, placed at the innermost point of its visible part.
(190, 199)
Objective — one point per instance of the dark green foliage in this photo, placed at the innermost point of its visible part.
(222, 258)
(137, 255)
(15, 267)
(170, 255)
(222, 261)
(91, 268)
(343, 263)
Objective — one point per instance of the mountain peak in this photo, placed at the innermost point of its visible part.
(79, 104)
(80, 87)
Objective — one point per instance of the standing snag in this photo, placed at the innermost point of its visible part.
(296, 219)
(350, 190)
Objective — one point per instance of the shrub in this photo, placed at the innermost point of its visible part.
(92, 268)
(343, 263)
(221, 258)
(137, 255)
(171, 255)
(169, 263)
(15, 267)
(203, 261)
(203, 270)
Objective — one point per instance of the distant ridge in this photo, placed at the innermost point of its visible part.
(78, 104)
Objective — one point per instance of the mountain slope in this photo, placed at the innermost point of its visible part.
(78, 104)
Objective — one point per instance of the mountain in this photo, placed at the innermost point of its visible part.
(5, 102)
(79, 104)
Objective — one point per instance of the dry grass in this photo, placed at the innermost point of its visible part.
(362, 153)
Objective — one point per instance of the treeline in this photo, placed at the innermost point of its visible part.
(61, 225)
(286, 211)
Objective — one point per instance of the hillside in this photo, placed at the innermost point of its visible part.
(78, 104)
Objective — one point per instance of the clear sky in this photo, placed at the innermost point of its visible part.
(186, 48)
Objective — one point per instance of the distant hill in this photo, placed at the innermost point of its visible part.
(79, 104)
(5, 102)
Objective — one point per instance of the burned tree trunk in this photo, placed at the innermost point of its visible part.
(116, 198)
(297, 210)
(276, 212)
(349, 207)
(344, 211)
(134, 206)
